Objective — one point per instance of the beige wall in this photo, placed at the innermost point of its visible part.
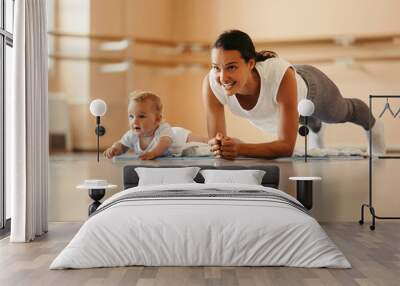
(202, 21)
(150, 18)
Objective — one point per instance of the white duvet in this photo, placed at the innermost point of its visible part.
(185, 231)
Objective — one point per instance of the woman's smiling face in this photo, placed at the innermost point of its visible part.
(230, 70)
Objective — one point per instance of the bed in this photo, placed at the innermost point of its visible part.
(201, 224)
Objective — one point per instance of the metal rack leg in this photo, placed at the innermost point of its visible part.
(374, 216)
(361, 221)
(372, 210)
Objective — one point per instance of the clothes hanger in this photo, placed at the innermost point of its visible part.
(397, 113)
(387, 107)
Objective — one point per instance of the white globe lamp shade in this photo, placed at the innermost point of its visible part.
(98, 107)
(306, 107)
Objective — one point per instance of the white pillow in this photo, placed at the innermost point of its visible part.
(248, 177)
(164, 176)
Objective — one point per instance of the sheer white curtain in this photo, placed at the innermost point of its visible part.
(27, 126)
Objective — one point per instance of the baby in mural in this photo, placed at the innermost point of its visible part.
(149, 137)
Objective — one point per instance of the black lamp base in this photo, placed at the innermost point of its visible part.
(96, 195)
(305, 193)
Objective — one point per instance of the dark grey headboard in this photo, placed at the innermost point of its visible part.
(271, 177)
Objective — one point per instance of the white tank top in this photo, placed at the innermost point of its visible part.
(264, 115)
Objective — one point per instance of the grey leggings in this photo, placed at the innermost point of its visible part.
(330, 105)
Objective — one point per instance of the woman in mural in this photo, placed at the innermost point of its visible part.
(266, 89)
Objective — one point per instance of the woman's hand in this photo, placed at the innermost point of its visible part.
(215, 145)
(223, 147)
(229, 148)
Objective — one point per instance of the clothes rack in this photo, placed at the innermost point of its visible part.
(370, 167)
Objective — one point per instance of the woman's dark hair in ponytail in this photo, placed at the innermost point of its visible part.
(240, 41)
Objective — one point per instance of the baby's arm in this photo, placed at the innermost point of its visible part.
(162, 146)
(116, 149)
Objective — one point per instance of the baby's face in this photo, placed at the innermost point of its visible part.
(143, 119)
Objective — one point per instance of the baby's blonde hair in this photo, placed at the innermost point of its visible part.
(142, 96)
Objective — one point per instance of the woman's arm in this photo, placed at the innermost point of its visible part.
(287, 129)
(214, 110)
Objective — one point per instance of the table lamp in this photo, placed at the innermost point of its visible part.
(305, 108)
(98, 108)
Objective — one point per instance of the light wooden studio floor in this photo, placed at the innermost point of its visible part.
(375, 257)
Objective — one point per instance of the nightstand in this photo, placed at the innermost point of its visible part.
(97, 190)
(304, 190)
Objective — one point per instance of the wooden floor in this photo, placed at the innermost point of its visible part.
(374, 255)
